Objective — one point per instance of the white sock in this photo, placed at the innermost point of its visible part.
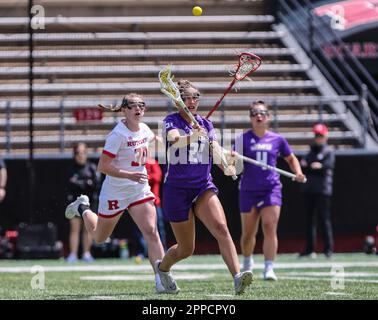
(268, 265)
(248, 263)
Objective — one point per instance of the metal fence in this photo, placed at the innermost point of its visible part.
(344, 71)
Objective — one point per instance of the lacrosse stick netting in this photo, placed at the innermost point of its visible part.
(248, 63)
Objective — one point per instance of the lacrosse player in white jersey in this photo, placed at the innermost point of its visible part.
(126, 184)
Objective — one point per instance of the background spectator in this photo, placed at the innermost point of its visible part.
(83, 179)
(318, 166)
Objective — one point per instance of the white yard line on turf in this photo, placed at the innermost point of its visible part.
(145, 277)
(221, 296)
(185, 267)
(336, 293)
(325, 279)
(322, 274)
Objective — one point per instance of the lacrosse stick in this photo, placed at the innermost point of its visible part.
(264, 165)
(169, 88)
(248, 63)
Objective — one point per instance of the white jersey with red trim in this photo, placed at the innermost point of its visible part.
(128, 149)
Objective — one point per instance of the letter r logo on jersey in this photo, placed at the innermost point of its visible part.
(113, 204)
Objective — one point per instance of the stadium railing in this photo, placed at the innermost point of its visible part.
(345, 72)
(57, 39)
(139, 24)
(146, 70)
(138, 54)
(59, 129)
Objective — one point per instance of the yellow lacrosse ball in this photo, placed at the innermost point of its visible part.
(197, 11)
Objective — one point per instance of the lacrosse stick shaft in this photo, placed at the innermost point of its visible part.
(221, 99)
(267, 166)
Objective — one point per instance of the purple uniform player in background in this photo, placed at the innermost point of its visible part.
(188, 191)
(260, 193)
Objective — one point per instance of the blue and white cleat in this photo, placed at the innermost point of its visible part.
(72, 258)
(72, 208)
(270, 275)
(242, 280)
(168, 284)
(87, 257)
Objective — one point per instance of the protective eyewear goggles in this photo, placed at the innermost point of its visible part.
(194, 96)
(254, 113)
(133, 104)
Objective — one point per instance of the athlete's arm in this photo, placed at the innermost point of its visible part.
(105, 166)
(220, 158)
(179, 141)
(157, 138)
(295, 167)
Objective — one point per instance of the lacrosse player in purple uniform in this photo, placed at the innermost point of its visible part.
(188, 190)
(260, 194)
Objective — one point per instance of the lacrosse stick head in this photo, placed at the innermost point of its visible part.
(248, 63)
(167, 86)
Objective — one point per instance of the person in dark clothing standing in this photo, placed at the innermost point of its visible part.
(318, 166)
(83, 179)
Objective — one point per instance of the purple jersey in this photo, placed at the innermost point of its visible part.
(188, 166)
(265, 149)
